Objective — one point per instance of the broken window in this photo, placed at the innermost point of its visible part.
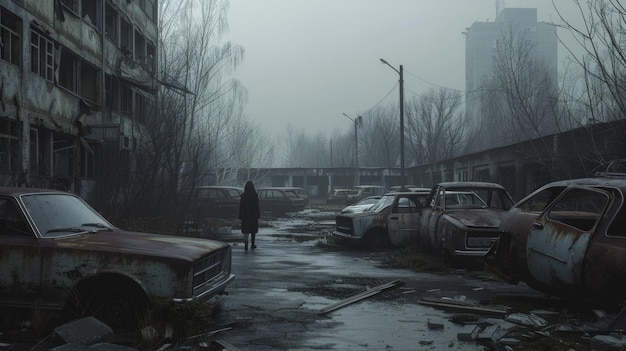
(140, 107)
(618, 225)
(126, 38)
(110, 23)
(140, 48)
(579, 208)
(40, 152)
(126, 99)
(10, 33)
(112, 89)
(68, 70)
(71, 5)
(150, 9)
(89, 82)
(9, 146)
(91, 12)
(41, 55)
(63, 151)
(150, 56)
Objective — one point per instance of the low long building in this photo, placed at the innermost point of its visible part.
(520, 167)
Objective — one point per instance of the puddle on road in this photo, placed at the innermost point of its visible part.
(381, 326)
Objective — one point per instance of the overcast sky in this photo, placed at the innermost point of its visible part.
(309, 61)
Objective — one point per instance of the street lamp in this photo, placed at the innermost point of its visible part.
(358, 120)
(402, 183)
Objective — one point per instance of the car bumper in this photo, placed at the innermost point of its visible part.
(209, 289)
(345, 239)
(471, 253)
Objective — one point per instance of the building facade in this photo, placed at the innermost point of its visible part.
(77, 81)
(516, 35)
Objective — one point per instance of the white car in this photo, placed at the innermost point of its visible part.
(361, 205)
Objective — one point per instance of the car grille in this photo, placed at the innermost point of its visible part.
(480, 241)
(210, 267)
(344, 225)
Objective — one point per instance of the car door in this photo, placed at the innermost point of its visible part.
(430, 218)
(20, 256)
(559, 237)
(403, 220)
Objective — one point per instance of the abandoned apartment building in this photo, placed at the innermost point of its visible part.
(77, 79)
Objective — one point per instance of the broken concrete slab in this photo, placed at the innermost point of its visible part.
(85, 331)
(491, 333)
(507, 326)
(468, 333)
(529, 320)
(434, 325)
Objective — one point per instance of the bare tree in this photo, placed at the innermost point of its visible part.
(378, 138)
(520, 102)
(435, 126)
(198, 124)
(602, 37)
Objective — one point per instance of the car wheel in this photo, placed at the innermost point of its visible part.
(377, 239)
(117, 308)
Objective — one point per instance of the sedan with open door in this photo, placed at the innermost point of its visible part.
(567, 238)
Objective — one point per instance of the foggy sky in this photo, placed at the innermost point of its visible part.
(308, 61)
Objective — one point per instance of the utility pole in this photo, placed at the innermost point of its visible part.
(400, 72)
(358, 120)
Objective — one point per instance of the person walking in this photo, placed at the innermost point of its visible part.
(249, 214)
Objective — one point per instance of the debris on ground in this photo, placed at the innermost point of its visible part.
(363, 295)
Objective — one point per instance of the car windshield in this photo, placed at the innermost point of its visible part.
(62, 214)
(291, 193)
(382, 204)
(475, 198)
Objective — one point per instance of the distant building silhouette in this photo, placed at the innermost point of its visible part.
(515, 32)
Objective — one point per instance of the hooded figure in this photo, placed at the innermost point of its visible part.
(249, 213)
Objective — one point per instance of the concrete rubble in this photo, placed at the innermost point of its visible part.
(510, 330)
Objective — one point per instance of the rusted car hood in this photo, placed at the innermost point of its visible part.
(478, 218)
(177, 247)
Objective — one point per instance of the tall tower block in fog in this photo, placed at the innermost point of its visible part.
(482, 40)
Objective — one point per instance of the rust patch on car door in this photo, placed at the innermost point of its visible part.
(559, 238)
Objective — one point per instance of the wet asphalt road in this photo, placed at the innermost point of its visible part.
(281, 286)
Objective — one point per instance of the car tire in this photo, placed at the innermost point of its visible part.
(118, 308)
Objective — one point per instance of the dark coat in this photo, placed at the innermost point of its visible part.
(249, 212)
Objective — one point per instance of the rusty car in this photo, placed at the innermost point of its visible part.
(280, 200)
(337, 196)
(462, 219)
(57, 252)
(393, 220)
(567, 239)
(215, 201)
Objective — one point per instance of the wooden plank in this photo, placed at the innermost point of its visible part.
(463, 307)
(360, 296)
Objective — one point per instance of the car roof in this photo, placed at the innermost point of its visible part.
(470, 185)
(17, 191)
(279, 188)
(597, 181)
(218, 187)
(408, 193)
